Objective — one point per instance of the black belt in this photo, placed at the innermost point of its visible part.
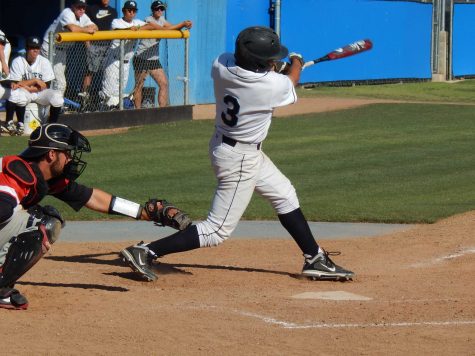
(232, 142)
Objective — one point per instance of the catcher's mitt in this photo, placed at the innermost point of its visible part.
(162, 217)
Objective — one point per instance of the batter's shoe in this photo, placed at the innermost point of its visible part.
(321, 267)
(139, 258)
(10, 298)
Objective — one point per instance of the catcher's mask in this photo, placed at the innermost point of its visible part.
(257, 47)
(62, 138)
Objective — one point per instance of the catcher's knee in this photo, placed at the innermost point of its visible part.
(50, 221)
(25, 251)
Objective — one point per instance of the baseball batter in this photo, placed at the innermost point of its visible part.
(73, 19)
(110, 83)
(247, 90)
(31, 78)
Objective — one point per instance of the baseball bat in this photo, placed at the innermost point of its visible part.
(342, 52)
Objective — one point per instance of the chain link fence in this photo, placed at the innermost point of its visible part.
(120, 70)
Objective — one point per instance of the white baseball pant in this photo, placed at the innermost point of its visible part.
(240, 171)
(22, 97)
(110, 81)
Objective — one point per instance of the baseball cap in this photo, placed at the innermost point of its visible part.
(130, 5)
(79, 3)
(33, 42)
(157, 5)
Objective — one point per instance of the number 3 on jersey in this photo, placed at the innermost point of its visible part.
(230, 116)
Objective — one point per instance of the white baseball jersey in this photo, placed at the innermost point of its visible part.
(148, 47)
(244, 104)
(121, 24)
(22, 70)
(66, 17)
(41, 69)
(245, 100)
(110, 80)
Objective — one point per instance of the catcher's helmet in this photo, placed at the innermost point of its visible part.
(256, 47)
(62, 138)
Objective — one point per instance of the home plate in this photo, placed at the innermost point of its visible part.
(334, 295)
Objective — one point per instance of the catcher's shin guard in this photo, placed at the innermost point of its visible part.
(24, 252)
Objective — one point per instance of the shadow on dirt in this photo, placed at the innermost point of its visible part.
(74, 285)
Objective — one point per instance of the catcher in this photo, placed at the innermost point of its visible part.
(50, 166)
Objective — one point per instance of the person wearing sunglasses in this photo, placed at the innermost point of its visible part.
(146, 60)
(71, 19)
(110, 82)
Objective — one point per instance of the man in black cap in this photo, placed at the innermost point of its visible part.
(49, 166)
(31, 78)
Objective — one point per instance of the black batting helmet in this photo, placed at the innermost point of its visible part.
(58, 137)
(256, 47)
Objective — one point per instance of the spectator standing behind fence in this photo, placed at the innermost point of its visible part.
(146, 60)
(5, 50)
(31, 78)
(73, 19)
(102, 15)
(110, 81)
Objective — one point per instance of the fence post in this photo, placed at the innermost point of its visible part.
(51, 45)
(121, 75)
(186, 79)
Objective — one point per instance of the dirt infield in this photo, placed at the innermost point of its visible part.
(246, 297)
(413, 295)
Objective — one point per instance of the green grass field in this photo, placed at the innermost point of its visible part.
(458, 92)
(402, 163)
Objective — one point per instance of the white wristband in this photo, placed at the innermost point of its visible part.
(125, 207)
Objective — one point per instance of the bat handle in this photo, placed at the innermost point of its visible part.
(307, 64)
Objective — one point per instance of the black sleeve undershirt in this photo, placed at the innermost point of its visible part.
(75, 195)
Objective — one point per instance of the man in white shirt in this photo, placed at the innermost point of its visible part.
(146, 60)
(31, 78)
(110, 82)
(73, 19)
